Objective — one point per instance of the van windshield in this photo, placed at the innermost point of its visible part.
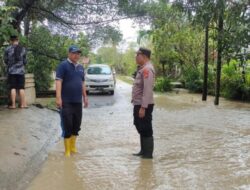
(99, 71)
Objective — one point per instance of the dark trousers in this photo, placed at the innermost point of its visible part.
(16, 81)
(71, 119)
(144, 125)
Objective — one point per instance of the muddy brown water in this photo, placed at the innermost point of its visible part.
(197, 146)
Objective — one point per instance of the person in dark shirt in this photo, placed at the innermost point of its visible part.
(70, 93)
(15, 59)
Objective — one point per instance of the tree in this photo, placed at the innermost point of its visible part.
(175, 41)
(5, 31)
(232, 18)
(105, 35)
(5, 27)
(74, 14)
(127, 64)
(109, 55)
(46, 50)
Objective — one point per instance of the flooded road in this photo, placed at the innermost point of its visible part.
(197, 146)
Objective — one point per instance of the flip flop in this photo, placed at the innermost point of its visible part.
(24, 107)
(11, 107)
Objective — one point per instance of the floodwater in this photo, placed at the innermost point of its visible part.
(197, 146)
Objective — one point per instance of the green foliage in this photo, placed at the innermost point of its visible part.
(83, 43)
(2, 65)
(122, 62)
(192, 80)
(162, 84)
(6, 28)
(105, 35)
(108, 55)
(175, 41)
(128, 65)
(233, 84)
(43, 56)
(210, 79)
(3, 91)
(45, 53)
(235, 18)
(178, 39)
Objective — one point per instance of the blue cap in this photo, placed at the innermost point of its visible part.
(74, 49)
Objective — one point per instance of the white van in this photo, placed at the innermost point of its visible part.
(99, 78)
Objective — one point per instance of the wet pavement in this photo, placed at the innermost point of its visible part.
(25, 136)
(197, 146)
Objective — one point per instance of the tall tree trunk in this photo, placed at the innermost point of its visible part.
(204, 93)
(19, 15)
(220, 49)
(26, 26)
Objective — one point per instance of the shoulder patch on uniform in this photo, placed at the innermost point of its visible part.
(145, 73)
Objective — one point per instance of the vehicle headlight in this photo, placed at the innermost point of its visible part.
(111, 80)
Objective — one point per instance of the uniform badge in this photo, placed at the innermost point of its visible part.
(145, 73)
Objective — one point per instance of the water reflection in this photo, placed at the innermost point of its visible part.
(145, 177)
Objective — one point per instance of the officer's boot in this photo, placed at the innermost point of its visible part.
(141, 151)
(148, 147)
(73, 144)
(67, 147)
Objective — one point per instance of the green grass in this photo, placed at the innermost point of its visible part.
(49, 103)
(126, 79)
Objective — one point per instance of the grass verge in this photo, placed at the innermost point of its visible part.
(126, 79)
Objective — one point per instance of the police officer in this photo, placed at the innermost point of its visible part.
(142, 99)
(70, 93)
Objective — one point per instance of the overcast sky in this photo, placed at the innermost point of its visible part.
(129, 30)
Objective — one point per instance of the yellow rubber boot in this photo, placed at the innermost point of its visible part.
(67, 147)
(73, 144)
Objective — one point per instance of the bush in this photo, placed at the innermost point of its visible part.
(46, 51)
(41, 67)
(192, 80)
(162, 84)
(3, 91)
(233, 85)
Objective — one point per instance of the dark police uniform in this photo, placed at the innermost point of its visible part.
(72, 77)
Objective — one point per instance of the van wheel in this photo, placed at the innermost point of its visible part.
(112, 92)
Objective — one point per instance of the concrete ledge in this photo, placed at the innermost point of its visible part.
(176, 84)
(30, 91)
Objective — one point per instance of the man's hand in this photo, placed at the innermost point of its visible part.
(59, 102)
(85, 101)
(142, 112)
